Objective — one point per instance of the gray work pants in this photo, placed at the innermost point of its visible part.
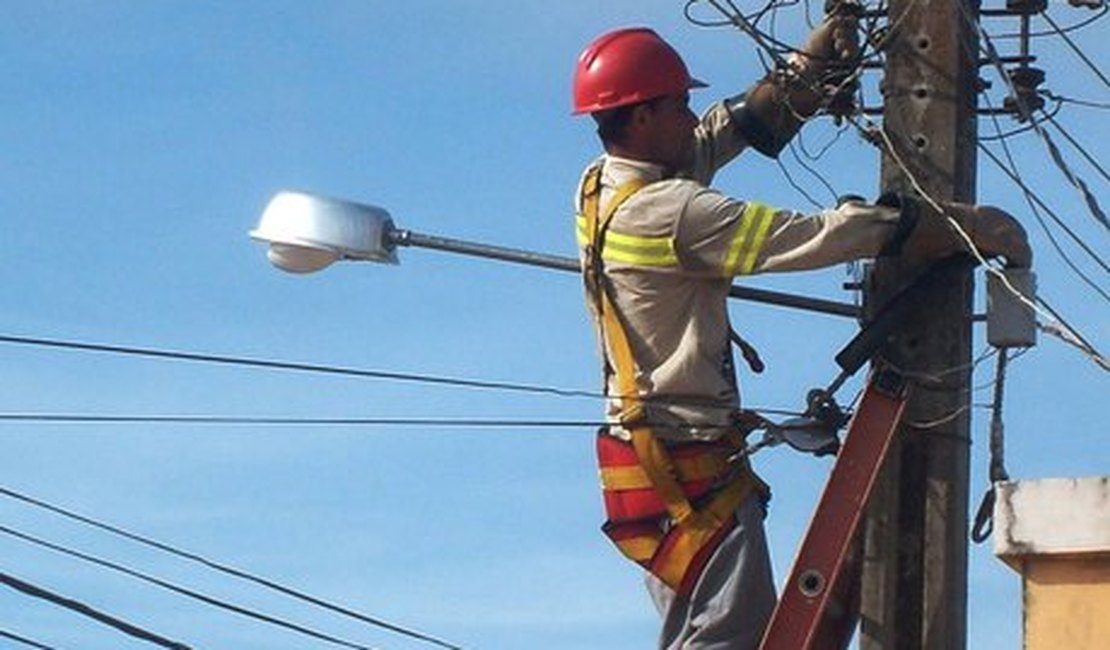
(731, 602)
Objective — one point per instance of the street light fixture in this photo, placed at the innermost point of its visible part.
(308, 232)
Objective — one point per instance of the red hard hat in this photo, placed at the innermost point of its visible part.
(627, 66)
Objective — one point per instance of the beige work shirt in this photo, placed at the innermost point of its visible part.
(670, 255)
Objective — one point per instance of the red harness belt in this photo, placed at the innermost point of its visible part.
(672, 543)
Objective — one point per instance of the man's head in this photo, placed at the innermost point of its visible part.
(636, 86)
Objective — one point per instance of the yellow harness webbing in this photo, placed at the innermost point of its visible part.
(676, 548)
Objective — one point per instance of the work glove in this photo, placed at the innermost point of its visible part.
(828, 60)
(994, 232)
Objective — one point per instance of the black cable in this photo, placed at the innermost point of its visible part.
(12, 636)
(1070, 28)
(1037, 201)
(226, 569)
(833, 193)
(1029, 198)
(89, 418)
(286, 365)
(1075, 143)
(350, 372)
(1071, 100)
(83, 609)
(188, 593)
(226, 420)
(387, 375)
(1054, 153)
(794, 184)
(1075, 48)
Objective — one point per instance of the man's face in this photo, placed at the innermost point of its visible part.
(672, 130)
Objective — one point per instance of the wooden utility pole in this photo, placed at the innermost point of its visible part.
(914, 591)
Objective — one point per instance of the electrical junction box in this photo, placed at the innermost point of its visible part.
(1011, 322)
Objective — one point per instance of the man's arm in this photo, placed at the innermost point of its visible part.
(721, 236)
(774, 109)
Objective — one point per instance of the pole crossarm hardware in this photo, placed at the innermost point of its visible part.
(307, 232)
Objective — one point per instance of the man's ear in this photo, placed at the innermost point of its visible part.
(641, 119)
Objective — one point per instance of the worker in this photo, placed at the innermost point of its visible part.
(659, 249)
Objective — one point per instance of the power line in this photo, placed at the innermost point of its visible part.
(89, 418)
(1075, 48)
(1036, 201)
(226, 569)
(85, 610)
(1075, 143)
(1054, 153)
(188, 593)
(177, 355)
(12, 636)
(1032, 200)
(879, 133)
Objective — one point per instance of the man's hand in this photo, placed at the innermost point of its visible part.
(994, 232)
(826, 62)
(833, 44)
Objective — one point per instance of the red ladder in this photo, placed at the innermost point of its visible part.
(820, 602)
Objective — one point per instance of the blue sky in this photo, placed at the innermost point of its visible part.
(139, 142)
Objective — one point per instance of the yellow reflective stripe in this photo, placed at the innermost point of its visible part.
(742, 253)
(638, 549)
(633, 249)
(633, 477)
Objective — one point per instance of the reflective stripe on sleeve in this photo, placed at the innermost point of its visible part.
(742, 253)
(632, 249)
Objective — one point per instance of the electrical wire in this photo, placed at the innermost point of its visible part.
(1078, 147)
(1032, 200)
(1047, 115)
(12, 636)
(833, 193)
(177, 355)
(1054, 152)
(1067, 30)
(226, 569)
(1075, 48)
(465, 423)
(119, 624)
(287, 365)
(183, 591)
(1061, 328)
(1071, 100)
(1036, 202)
(796, 185)
(89, 418)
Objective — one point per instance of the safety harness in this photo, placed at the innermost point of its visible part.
(668, 506)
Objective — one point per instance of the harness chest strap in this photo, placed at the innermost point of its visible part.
(677, 555)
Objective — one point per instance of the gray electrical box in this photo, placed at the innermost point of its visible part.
(1011, 323)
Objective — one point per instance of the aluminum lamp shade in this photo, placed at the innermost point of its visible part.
(307, 232)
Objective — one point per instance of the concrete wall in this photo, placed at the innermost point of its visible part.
(1056, 534)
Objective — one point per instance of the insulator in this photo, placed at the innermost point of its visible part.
(1025, 80)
